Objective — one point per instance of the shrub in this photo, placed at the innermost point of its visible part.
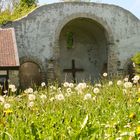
(136, 61)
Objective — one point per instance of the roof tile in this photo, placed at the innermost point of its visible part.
(8, 48)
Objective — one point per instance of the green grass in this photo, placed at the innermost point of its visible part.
(111, 114)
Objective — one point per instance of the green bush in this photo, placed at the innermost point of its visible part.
(19, 11)
(136, 61)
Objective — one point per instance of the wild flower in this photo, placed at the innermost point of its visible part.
(68, 89)
(105, 74)
(126, 79)
(119, 82)
(59, 97)
(110, 83)
(43, 84)
(138, 130)
(127, 84)
(5, 91)
(138, 101)
(7, 112)
(66, 84)
(96, 90)
(71, 85)
(7, 105)
(136, 78)
(43, 97)
(132, 115)
(98, 85)
(80, 87)
(87, 96)
(11, 86)
(2, 100)
(13, 89)
(52, 87)
(30, 104)
(31, 97)
(28, 91)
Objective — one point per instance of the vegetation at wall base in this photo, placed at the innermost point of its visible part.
(136, 62)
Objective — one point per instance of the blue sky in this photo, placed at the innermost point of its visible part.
(131, 5)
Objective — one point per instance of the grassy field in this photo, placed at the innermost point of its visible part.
(108, 110)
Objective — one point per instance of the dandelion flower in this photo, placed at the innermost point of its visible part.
(132, 115)
(8, 111)
(7, 105)
(30, 104)
(43, 97)
(105, 74)
(138, 130)
(59, 97)
(87, 96)
(126, 79)
(136, 78)
(11, 86)
(31, 97)
(68, 90)
(119, 82)
(98, 85)
(66, 84)
(138, 101)
(110, 83)
(2, 100)
(127, 84)
(5, 91)
(29, 90)
(71, 85)
(13, 89)
(96, 90)
(43, 84)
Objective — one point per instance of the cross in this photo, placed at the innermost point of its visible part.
(73, 70)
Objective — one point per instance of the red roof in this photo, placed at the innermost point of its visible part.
(8, 48)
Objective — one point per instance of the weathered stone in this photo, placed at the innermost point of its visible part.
(102, 33)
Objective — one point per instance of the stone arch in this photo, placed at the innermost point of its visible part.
(33, 61)
(112, 55)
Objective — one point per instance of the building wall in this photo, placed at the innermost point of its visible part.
(38, 33)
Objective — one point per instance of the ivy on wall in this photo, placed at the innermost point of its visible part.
(69, 38)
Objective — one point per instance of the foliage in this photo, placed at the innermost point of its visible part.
(109, 110)
(69, 40)
(20, 10)
(136, 60)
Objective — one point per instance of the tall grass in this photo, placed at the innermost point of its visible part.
(106, 110)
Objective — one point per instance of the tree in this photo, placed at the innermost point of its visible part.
(14, 9)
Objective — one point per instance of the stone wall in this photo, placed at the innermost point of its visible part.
(38, 33)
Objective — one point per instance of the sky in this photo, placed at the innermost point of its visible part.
(132, 5)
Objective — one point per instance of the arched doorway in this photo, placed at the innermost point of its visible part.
(83, 50)
(30, 74)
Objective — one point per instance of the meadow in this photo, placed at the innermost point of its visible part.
(107, 110)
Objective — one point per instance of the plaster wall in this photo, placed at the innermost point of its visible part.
(38, 33)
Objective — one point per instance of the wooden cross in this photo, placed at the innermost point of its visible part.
(73, 70)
